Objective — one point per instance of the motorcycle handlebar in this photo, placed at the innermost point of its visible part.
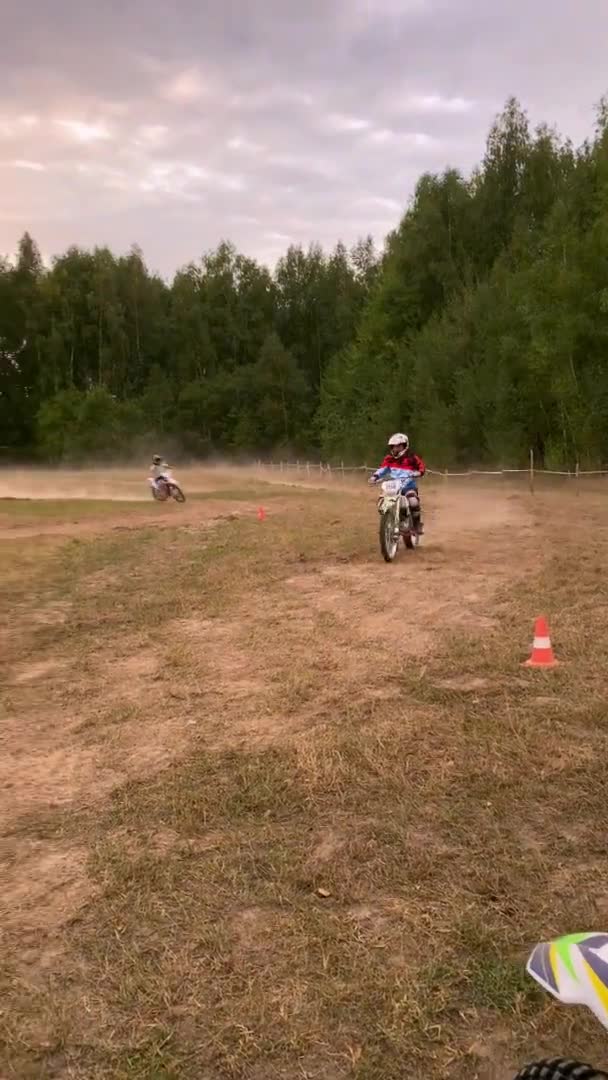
(377, 480)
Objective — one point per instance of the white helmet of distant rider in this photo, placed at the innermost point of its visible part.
(398, 445)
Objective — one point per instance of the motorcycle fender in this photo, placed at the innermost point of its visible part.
(386, 503)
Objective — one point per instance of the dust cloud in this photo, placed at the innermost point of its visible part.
(127, 483)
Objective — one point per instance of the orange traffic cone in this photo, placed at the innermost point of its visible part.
(261, 514)
(542, 651)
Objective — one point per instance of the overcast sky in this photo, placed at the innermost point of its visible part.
(174, 124)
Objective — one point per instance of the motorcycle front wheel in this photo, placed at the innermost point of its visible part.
(559, 1069)
(177, 493)
(389, 536)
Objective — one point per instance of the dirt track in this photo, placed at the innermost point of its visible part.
(128, 484)
(473, 544)
(275, 637)
(448, 586)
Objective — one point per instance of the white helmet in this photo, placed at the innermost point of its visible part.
(398, 445)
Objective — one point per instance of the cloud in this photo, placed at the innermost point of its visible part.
(244, 219)
(254, 121)
(83, 132)
(151, 135)
(280, 237)
(387, 137)
(369, 10)
(32, 166)
(260, 99)
(302, 164)
(241, 143)
(380, 202)
(185, 87)
(435, 103)
(187, 180)
(106, 176)
(340, 123)
(16, 126)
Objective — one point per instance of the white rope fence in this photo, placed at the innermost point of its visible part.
(310, 469)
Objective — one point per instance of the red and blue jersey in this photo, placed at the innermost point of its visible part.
(398, 468)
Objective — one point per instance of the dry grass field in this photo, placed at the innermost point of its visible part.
(274, 810)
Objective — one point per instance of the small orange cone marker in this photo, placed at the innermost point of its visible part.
(542, 651)
(261, 514)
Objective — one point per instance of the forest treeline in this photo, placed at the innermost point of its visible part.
(481, 328)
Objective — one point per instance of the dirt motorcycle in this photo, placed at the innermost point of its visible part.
(396, 507)
(165, 487)
(574, 969)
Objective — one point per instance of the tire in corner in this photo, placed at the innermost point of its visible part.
(559, 1069)
(178, 494)
(411, 541)
(388, 544)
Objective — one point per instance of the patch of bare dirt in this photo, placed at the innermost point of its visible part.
(447, 584)
(55, 613)
(35, 670)
(230, 691)
(44, 957)
(327, 846)
(490, 1052)
(141, 665)
(140, 748)
(199, 515)
(219, 648)
(44, 887)
(253, 929)
(36, 779)
(119, 724)
(368, 604)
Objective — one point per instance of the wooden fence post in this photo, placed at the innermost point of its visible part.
(577, 475)
(531, 471)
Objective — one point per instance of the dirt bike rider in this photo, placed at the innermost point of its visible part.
(158, 469)
(399, 459)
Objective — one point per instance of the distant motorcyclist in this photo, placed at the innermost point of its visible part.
(398, 464)
(158, 469)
